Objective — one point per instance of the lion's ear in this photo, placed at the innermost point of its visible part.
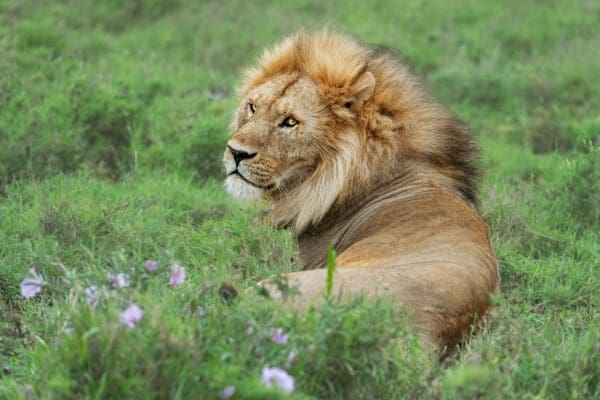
(362, 90)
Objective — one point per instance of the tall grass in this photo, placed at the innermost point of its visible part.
(113, 119)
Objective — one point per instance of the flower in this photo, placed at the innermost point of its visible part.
(278, 377)
(32, 285)
(227, 393)
(92, 294)
(291, 358)
(151, 265)
(132, 315)
(119, 280)
(278, 336)
(177, 275)
(201, 311)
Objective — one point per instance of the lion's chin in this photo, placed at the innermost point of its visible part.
(241, 189)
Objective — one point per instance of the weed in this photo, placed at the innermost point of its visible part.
(113, 120)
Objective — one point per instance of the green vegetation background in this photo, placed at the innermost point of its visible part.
(113, 119)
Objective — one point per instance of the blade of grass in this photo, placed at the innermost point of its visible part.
(330, 268)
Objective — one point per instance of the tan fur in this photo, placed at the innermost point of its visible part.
(374, 166)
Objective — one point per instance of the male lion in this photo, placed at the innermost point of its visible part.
(350, 150)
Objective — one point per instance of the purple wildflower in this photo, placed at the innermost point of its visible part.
(177, 275)
(132, 315)
(32, 285)
(278, 336)
(92, 294)
(273, 376)
(227, 393)
(119, 280)
(151, 265)
(201, 311)
(291, 358)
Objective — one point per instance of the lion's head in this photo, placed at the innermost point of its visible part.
(324, 120)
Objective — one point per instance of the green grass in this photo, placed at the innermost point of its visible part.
(113, 119)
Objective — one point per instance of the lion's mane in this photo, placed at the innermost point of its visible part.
(399, 128)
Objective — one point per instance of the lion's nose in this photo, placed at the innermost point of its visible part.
(239, 155)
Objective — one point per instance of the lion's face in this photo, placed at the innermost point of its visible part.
(276, 139)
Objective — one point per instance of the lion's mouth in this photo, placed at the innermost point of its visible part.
(238, 173)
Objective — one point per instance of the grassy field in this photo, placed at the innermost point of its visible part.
(113, 120)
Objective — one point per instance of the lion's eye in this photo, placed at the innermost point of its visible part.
(251, 108)
(289, 122)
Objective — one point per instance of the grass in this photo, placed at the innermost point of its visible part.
(113, 119)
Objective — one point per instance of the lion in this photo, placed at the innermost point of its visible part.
(347, 147)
